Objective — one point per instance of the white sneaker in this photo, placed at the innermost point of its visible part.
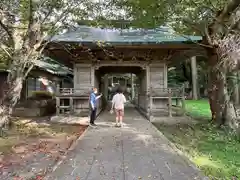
(117, 125)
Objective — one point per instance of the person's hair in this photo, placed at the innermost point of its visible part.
(119, 90)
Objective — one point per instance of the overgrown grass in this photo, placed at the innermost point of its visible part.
(214, 151)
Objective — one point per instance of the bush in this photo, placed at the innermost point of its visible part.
(39, 95)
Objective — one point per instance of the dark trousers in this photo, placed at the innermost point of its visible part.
(93, 115)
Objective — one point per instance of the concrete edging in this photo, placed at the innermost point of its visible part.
(178, 151)
(72, 147)
(60, 161)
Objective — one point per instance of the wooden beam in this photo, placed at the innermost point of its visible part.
(170, 103)
(71, 105)
(194, 78)
(132, 87)
(182, 55)
(122, 64)
(157, 46)
(165, 76)
(57, 105)
(93, 76)
(83, 65)
(115, 54)
(183, 100)
(173, 45)
(148, 94)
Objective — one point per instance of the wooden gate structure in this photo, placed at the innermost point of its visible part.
(94, 52)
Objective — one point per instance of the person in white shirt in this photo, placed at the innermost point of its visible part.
(118, 105)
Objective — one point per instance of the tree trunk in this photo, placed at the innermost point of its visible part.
(14, 84)
(13, 95)
(212, 91)
(234, 87)
(230, 116)
(231, 98)
(222, 108)
(216, 89)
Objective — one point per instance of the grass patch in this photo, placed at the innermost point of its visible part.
(199, 109)
(214, 151)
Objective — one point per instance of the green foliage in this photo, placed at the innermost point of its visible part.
(191, 16)
(145, 14)
(213, 150)
(180, 72)
(198, 109)
(175, 77)
(185, 16)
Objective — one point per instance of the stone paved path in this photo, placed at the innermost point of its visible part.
(136, 151)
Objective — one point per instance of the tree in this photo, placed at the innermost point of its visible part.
(26, 27)
(217, 21)
(218, 24)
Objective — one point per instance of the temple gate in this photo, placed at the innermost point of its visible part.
(93, 62)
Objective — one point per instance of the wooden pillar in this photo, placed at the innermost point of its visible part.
(170, 102)
(132, 87)
(183, 99)
(58, 100)
(148, 93)
(57, 105)
(165, 75)
(58, 89)
(139, 89)
(151, 106)
(71, 105)
(93, 76)
(148, 78)
(194, 78)
(106, 87)
(71, 102)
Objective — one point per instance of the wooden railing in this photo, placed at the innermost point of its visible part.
(70, 95)
(72, 91)
(168, 94)
(162, 92)
(163, 97)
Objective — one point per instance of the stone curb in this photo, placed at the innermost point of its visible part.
(180, 153)
(58, 161)
(72, 147)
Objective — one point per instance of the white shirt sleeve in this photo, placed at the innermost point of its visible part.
(124, 99)
(113, 99)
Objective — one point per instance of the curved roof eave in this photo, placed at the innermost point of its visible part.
(89, 35)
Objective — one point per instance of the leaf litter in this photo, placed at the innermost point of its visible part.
(34, 146)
